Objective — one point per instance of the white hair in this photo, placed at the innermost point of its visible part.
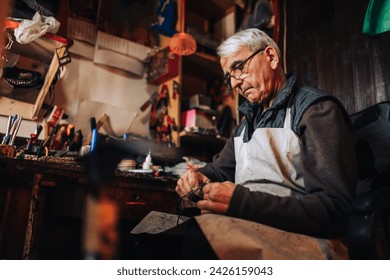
(251, 38)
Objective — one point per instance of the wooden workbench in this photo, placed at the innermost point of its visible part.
(42, 204)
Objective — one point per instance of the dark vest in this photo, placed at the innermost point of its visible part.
(302, 98)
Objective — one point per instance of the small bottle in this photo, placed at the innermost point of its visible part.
(148, 162)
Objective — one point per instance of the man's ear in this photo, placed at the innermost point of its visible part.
(272, 57)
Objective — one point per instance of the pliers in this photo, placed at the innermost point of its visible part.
(196, 194)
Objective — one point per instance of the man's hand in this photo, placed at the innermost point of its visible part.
(190, 181)
(216, 197)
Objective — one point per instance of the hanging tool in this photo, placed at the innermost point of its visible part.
(160, 108)
(148, 102)
(176, 89)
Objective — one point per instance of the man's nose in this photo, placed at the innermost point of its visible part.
(235, 82)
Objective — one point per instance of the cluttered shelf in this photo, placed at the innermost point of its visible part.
(29, 71)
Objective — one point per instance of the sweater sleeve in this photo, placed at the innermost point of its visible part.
(330, 176)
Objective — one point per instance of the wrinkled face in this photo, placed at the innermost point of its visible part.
(252, 74)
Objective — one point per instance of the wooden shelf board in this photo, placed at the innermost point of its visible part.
(216, 9)
(200, 139)
(209, 64)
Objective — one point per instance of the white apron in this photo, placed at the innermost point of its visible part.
(270, 161)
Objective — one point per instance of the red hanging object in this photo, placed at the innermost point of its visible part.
(182, 43)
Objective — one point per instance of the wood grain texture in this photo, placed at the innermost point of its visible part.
(327, 49)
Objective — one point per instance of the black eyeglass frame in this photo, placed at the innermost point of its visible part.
(240, 67)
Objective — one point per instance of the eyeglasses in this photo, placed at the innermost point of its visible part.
(238, 69)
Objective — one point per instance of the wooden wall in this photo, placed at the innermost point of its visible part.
(325, 46)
